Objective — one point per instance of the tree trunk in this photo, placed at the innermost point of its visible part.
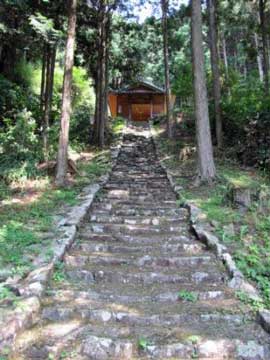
(259, 57)
(43, 77)
(169, 115)
(225, 57)
(108, 27)
(62, 158)
(99, 126)
(262, 4)
(101, 135)
(215, 70)
(206, 166)
(52, 69)
(50, 66)
(46, 114)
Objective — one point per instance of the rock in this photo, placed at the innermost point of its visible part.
(229, 230)
(155, 221)
(263, 317)
(106, 349)
(219, 349)
(56, 314)
(264, 201)
(215, 224)
(241, 196)
(177, 350)
(251, 351)
(199, 276)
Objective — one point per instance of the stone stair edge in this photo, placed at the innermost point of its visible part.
(200, 226)
(33, 287)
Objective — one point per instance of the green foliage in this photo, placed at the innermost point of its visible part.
(5, 293)
(255, 304)
(20, 147)
(143, 344)
(188, 296)
(15, 99)
(83, 108)
(59, 273)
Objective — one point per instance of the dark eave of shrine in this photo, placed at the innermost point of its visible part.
(133, 89)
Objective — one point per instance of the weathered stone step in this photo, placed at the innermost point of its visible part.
(139, 261)
(118, 175)
(145, 208)
(136, 229)
(87, 234)
(159, 203)
(131, 276)
(127, 213)
(137, 198)
(135, 318)
(84, 248)
(143, 185)
(113, 343)
(137, 220)
(146, 302)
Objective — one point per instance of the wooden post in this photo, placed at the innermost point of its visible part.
(151, 111)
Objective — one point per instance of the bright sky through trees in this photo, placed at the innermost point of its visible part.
(147, 10)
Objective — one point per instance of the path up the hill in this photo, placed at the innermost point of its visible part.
(137, 284)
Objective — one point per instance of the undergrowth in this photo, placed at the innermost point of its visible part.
(29, 209)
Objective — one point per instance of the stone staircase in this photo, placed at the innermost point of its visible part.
(137, 284)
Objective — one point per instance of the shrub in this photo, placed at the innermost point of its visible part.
(20, 147)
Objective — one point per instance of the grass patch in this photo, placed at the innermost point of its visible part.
(187, 296)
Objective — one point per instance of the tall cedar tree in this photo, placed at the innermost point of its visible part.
(262, 6)
(62, 158)
(47, 80)
(165, 7)
(212, 6)
(206, 166)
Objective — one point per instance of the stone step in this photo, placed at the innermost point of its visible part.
(128, 212)
(88, 342)
(132, 276)
(97, 248)
(153, 239)
(136, 220)
(154, 198)
(143, 185)
(159, 203)
(145, 261)
(141, 208)
(119, 175)
(134, 318)
(146, 301)
(136, 229)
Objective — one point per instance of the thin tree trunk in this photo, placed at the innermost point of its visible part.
(206, 166)
(43, 77)
(101, 135)
(51, 54)
(225, 56)
(262, 4)
(52, 69)
(99, 109)
(62, 159)
(108, 26)
(215, 70)
(165, 5)
(259, 57)
(46, 114)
